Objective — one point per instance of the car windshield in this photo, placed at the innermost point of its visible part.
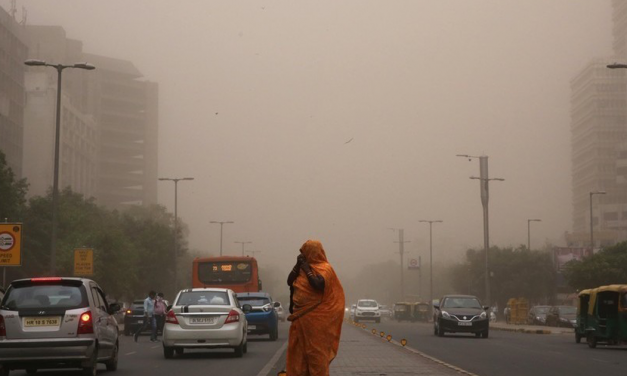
(461, 303)
(253, 300)
(542, 310)
(203, 298)
(45, 296)
(367, 303)
(568, 310)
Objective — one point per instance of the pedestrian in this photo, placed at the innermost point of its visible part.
(316, 313)
(160, 308)
(149, 318)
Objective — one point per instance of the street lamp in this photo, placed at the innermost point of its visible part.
(221, 225)
(176, 222)
(431, 258)
(529, 231)
(485, 195)
(592, 224)
(401, 250)
(242, 243)
(55, 184)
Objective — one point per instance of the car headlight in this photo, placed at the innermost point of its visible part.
(446, 315)
(483, 315)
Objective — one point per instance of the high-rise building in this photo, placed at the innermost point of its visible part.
(13, 52)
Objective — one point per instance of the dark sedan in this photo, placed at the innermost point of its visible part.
(461, 314)
(134, 317)
(562, 316)
(537, 315)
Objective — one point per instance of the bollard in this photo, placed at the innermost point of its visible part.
(374, 331)
(389, 337)
(281, 373)
(403, 342)
(382, 334)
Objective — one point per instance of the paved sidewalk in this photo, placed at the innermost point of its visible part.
(363, 353)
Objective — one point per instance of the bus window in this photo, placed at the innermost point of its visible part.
(211, 273)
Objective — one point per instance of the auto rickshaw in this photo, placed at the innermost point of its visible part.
(607, 316)
(403, 311)
(582, 314)
(422, 312)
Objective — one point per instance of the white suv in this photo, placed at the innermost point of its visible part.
(367, 309)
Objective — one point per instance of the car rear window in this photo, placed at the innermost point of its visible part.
(253, 300)
(45, 296)
(203, 298)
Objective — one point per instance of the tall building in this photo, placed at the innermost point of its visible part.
(126, 110)
(599, 144)
(13, 52)
(111, 107)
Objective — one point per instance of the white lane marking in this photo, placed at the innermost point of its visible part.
(265, 370)
(131, 353)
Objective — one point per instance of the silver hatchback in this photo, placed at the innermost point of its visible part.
(57, 323)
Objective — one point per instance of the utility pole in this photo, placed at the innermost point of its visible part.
(243, 243)
(401, 250)
(431, 257)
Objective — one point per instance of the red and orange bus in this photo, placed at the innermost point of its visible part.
(240, 274)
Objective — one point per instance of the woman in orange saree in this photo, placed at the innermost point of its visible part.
(317, 312)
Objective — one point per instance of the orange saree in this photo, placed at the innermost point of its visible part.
(317, 319)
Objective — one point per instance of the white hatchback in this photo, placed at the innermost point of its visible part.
(205, 318)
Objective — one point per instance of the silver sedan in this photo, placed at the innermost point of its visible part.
(205, 318)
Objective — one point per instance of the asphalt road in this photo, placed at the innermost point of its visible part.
(145, 358)
(511, 354)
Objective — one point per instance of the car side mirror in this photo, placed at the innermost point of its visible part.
(114, 308)
(247, 308)
(277, 304)
(436, 306)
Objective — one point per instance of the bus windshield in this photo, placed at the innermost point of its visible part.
(224, 272)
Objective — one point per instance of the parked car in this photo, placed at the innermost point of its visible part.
(562, 316)
(57, 323)
(461, 314)
(134, 318)
(367, 309)
(537, 315)
(262, 319)
(205, 318)
(280, 312)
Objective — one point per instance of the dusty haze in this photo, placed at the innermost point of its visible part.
(259, 99)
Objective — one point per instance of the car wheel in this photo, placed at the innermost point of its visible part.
(168, 352)
(435, 330)
(112, 364)
(127, 331)
(239, 351)
(274, 334)
(179, 351)
(592, 341)
(478, 334)
(245, 347)
(440, 330)
(485, 334)
(577, 338)
(91, 369)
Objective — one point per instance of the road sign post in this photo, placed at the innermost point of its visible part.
(83, 262)
(10, 247)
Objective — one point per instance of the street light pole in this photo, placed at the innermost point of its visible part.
(221, 225)
(591, 223)
(242, 243)
(431, 258)
(485, 196)
(55, 184)
(401, 250)
(176, 224)
(529, 231)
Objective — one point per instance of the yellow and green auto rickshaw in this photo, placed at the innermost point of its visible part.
(422, 312)
(607, 316)
(404, 311)
(582, 314)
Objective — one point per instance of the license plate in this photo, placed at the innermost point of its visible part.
(140, 321)
(202, 320)
(252, 327)
(461, 323)
(30, 322)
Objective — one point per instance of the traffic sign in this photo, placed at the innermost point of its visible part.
(413, 264)
(83, 262)
(10, 244)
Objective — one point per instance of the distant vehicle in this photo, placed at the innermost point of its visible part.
(562, 316)
(461, 314)
(367, 309)
(262, 318)
(57, 323)
(352, 311)
(205, 318)
(240, 274)
(537, 315)
(385, 311)
(280, 312)
(134, 318)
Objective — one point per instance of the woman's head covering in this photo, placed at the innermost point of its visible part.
(313, 252)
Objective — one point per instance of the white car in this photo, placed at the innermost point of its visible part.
(367, 309)
(205, 318)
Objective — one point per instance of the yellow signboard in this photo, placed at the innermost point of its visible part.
(10, 244)
(83, 262)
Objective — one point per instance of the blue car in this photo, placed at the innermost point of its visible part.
(263, 318)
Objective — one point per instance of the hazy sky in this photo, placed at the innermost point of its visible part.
(258, 100)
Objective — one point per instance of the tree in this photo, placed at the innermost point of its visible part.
(12, 193)
(609, 266)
